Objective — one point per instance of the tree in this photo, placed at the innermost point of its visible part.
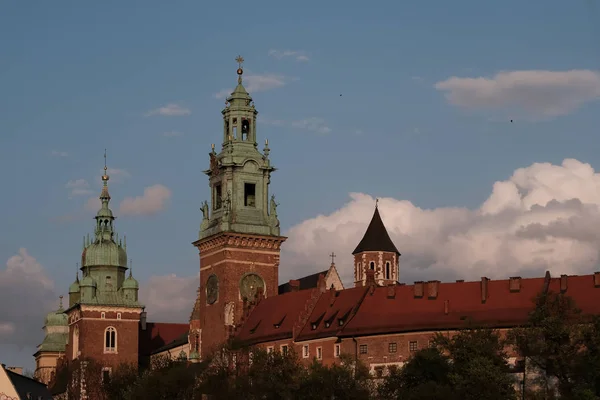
(347, 380)
(469, 365)
(78, 379)
(562, 346)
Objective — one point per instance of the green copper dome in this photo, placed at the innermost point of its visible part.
(131, 283)
(74, 288)
(58, 317)
(87, 281)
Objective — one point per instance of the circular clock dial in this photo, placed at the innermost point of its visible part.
(249, 286)
(212, 289)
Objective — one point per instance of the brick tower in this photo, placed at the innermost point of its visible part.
(104, 311)
(239, 240)
(376, 252)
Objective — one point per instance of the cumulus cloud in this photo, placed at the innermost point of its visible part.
(21, 326)
(544, 217)
(257, 83)
(169, 110)
(533, 93)
(78, 187)
(154, 199)
(169, 298)
(298, 55)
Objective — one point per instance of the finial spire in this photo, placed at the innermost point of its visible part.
(76, 272)
(376, 202)
(60, 306)
(240, 71)
(130, 268)
(104, 196)
(333, 256)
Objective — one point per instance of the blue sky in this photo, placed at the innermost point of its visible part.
(76, 78)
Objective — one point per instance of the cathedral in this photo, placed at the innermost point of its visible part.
(379, 320)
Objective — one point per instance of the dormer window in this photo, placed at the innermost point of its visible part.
(314, 326)
(327, 324)
(341, 322)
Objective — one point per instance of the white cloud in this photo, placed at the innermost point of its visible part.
(535, 94)
(7, 328)
(170, 110)
(298, 55)
(257, 83)
(312, 124)
(153, 200)
(56, 153)
(24, 279)
(78, 187)
(544, 217)
(169, 298)
(172, 134)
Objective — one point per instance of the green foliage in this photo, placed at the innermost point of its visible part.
(469, 365)
(563, 346)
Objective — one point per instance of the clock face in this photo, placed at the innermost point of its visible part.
(212, 289)
(249, 286)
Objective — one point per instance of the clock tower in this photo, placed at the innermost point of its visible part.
(239, 239)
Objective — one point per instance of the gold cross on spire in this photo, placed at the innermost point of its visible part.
(240, 61)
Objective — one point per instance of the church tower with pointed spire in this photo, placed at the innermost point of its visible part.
(239, 239)
(104, 311)
(376, 252)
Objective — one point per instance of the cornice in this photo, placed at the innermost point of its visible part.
(239, 240)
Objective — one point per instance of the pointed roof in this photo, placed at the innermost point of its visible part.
(376, 237)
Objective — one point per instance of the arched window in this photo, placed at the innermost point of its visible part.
(110, 340)
(372, 265)
(75, 342)
(387, 270)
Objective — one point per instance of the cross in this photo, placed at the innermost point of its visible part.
(332, 255)
(105, 159)
(240, 61)
(376, 202)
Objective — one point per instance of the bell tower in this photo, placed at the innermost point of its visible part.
(239, 239)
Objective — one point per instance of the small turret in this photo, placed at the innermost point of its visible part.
(87, 287)
(131, 286)
(74, 290)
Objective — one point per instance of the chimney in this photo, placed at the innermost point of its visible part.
(446, 306)
(294, 285)
(321, 284)
(418, 289)
(432, 289)
(370, 278)
(332, 295)
(484, 289)
(391, 291)
(514, 284)
(563, 283)
(596, 279)
(143, 319)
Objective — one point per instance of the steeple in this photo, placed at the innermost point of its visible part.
(376, 238)
(104, 216)
(376, 252)
(239, 175)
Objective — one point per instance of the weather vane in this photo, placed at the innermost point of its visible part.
(240, 61)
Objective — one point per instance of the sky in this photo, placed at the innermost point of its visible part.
(475, 123)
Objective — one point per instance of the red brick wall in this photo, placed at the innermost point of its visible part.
(365, 258)
(230, 261)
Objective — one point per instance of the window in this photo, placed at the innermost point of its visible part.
(387, 270)
(305, 351)
(75, 342)
(110, 340)
(269, 349)
(412, 345)
(372, 265)
(284, 349)
(106, 375)
(319, 353)
(363, 349)
(337, 350)
(234, 131)
(103, 315)
(108, 282)
(249, 195)
(392, 347)
(119, 315)
(245, 129)
(217, 197)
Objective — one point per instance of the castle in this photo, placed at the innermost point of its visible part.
(379, 321)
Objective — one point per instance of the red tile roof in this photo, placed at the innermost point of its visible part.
(460, 302)
(332, 307)
(273, 318)
(158, 334)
